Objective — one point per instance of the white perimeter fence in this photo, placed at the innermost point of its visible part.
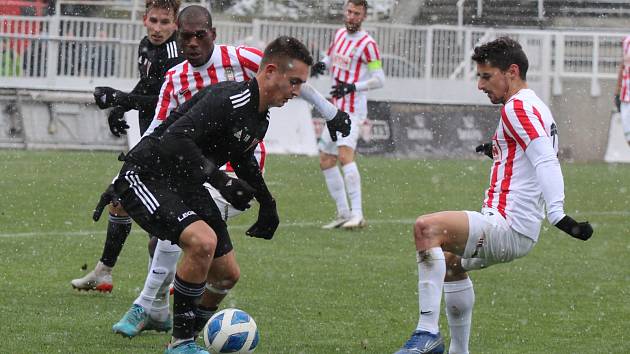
(422, 63)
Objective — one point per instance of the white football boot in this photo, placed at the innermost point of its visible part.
(100, 279)
(340, 220)
(355, 222)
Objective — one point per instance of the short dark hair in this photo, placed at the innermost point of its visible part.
(162, 4)
(363, 3)
(501, 53)
(194, 11)
(284, 48)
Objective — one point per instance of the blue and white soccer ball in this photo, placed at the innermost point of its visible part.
(231, 331)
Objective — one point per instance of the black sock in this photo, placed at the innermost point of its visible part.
(202, 315)
(152, 245)
(185, 300)
(118, 228)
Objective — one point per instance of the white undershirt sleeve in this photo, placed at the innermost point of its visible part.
(326, 60)
(541, 154)
(376, 80)
(312, 96)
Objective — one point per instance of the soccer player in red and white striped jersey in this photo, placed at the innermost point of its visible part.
(206, 64)
(525, 180)
(355, 64)
(622, 90)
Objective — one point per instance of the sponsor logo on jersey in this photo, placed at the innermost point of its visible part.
(341, 61)
(229, 73)
(183, 91)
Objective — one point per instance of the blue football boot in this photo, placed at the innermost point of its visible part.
(188, 347)
(133, 322)
(422, 342)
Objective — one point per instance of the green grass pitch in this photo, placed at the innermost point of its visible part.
(310, 290)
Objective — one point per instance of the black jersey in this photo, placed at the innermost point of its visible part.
(221, 123)
(153, 63)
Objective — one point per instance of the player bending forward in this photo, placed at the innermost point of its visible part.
(525, 178)
(206, 64)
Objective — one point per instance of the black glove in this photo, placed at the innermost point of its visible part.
(236, 191)
(579, 230)
(618, 102)
(318, 68)
(117, 123)
(106, 97)
(485, 149)
(340, 123)
(267, 222)
(341, 89)
(109, 196)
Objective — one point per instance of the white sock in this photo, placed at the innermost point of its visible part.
(163, 268)
(459, 298)
(337, 190)
(353, 185)
(431, 272)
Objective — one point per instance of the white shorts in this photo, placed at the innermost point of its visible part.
(326, 145)
(491, 240)
(625, 119)
(226, 209)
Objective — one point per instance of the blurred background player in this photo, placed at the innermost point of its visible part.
(525, 172)
(622, 90)
(160, 184)
(355, 63)
(206, 64)
(157, 53)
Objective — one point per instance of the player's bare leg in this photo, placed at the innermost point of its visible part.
(118, 228)
(198, 242)
(352, 180)
(459, 299)
(223, 275)
(336, 188)
(434, 234)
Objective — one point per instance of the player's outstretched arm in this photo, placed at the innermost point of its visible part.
(541, 154)
(336, 120)
(106, 97)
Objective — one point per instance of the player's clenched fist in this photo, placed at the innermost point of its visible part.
(236, 191)
(340, 123)
(580, 230)
(106, 97)
(267, 222)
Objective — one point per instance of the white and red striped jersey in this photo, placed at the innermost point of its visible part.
(514, 189)
(183, 81)
(349, 55)
(624, 94)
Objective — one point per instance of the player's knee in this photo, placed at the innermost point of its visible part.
(117, 210)
(422, 228)
(327, 161)
(201, 243)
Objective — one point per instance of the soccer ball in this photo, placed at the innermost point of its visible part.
(231, 331)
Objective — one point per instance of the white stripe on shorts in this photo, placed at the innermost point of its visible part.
(142, 192)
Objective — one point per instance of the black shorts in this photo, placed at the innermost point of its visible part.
(164, 208)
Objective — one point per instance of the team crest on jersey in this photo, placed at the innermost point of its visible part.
(229, 73)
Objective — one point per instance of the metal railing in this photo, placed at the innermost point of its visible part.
(72, 53)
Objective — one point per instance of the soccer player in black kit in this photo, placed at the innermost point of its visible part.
(157, 53)
(161, 182)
